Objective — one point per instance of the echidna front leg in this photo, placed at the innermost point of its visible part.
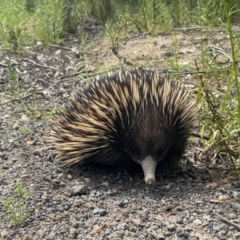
(149, 168)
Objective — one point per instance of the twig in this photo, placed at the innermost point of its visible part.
(40, 65)
(199, 136)
(227, 221)
(16, 99)
(51, 181)
(74, 74)
(61, 47)
(13, 63)
(3, 65)
(236, 205)
(124, 60)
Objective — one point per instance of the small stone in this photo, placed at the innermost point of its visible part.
(168, 208)
(236, 194)
(197, 222)
(179, 220)
(58, 52)
(25, 176)
(122, 226)
(133, 229)
(39, 43)
(79, 202)
(97, 229)
(136, 221)
(89, 204)
(96, 210)
(15, 126)
(69, 176)
(178, 208)
(188, 229)
(155, 227)
(216, 227)
(87, 180)
(232, 216)
(171, 227)
(4, 233)
(236, 235)
(52, 236)
(2, 154)
(73, 233)
(44, 196)
(223, 197)
(211, 186)
(102, 212)
(122, 203)
(79, 190)
(160, 236)
(75, 224)
(105, 184)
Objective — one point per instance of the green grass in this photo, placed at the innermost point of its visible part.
(23, 22)
(14, 208)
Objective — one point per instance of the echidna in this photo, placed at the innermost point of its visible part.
(125, 118)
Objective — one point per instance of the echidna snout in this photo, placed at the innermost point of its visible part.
(149, 168)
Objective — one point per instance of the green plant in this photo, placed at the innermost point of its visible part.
(14, 21)
(219, 97)
(23, 130)
(14, 86)
(49, 20)
(173, 62)
(14, 207)
(152, 16)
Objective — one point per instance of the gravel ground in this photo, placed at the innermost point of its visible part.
(91, 202)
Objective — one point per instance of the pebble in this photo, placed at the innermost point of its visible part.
(2, 154)
(188, 229)
(179, 220)
(52, 236)
(25, 176)
(79, 202)
(102, 212)
(232, 216)
(136, 221)
(96, 211)
(171, 227)
(122, 203)
(160, 236)
(79, 190)
(237, 235)
(73, 233)
(97, 229)
(216, 227)
(122, 226)
(75, 224)
(197, 222)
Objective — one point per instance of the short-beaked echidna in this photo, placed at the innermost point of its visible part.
(125, 118)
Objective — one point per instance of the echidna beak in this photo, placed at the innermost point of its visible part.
(149, 167)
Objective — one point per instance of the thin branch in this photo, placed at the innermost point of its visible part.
(40, 65)
(227, 221)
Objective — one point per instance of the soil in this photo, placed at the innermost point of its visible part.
(91, 202)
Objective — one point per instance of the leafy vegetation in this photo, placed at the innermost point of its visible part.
(25, 21)
(14, 208)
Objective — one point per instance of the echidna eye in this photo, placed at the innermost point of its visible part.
(136, 154)
(160, 154)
